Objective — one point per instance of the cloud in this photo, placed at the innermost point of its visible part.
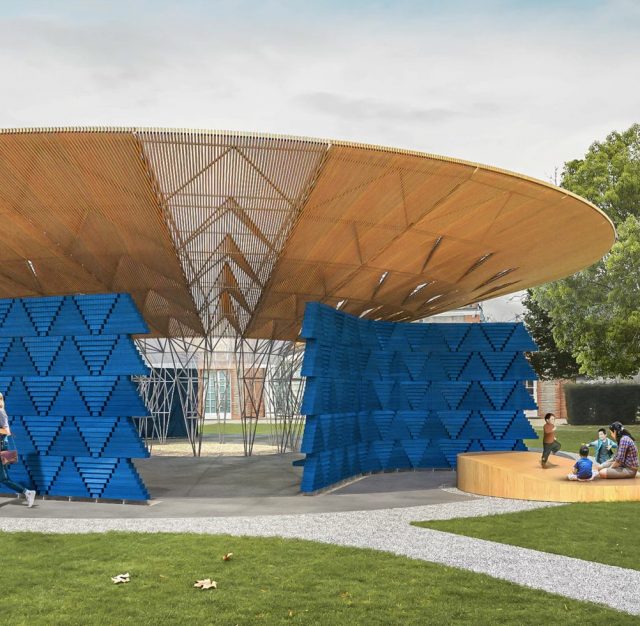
(506, 83)
(358, 108)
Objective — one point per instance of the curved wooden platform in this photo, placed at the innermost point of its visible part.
(519, 475)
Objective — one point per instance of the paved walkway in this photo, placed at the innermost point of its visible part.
(389, 530)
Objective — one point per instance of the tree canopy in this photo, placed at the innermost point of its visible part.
(549, 361)
(595, 314)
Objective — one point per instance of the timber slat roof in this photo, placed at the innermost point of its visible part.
(225, 233)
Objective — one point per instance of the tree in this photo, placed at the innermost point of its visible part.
(596, 313)
(549, 362)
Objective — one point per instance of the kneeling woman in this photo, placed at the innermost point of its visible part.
(625, 463)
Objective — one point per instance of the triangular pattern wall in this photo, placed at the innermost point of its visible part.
(383, 395)
(65, 371)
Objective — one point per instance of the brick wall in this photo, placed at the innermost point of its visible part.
(550, 398)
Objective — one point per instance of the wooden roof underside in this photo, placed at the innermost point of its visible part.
(225, 233)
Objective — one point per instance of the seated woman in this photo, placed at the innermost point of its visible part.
(625, 463)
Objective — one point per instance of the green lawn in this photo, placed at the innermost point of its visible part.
(606, 532)
(65, 579)
(234, 428)
(572, 437)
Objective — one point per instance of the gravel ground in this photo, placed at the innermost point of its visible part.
(389, 530)
(209, 448)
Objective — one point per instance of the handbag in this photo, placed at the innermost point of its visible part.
(8, 457)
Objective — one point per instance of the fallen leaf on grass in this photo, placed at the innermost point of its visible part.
(207, 583)
(120, 578)
(227, 557)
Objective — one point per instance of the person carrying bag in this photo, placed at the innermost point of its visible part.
(8, 457)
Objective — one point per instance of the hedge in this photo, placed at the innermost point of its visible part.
(602, 404)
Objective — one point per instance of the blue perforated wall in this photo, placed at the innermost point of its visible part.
(383, 395)
(65, 371)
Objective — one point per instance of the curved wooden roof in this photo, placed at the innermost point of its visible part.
(230, 233)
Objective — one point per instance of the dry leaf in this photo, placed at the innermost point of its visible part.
(207, 583)
(120, 578)
(227, 557)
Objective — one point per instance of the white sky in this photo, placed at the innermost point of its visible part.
(523, 85)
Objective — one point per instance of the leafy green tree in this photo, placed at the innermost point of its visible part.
(549, 362)
(596, 313)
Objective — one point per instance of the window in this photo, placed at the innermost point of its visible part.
(218, 392)
(530, 386)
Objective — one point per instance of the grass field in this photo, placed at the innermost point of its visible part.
(65, 579)
(236, 429)
(596, 531)
(572, 437)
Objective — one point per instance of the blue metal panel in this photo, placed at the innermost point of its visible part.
(65, 368)
(381, 395)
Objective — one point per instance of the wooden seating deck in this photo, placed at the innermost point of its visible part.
(519, 475)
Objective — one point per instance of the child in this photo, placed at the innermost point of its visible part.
(583, 469)
(604, 447)
(549, 442)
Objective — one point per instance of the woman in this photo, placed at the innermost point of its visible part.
(5, 431)
(625, 463)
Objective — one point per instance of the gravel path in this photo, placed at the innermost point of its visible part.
(389, 530)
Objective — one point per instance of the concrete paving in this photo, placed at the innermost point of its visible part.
(246, 486)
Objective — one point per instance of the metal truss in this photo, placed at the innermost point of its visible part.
(229, 202)
(270, 388)
(267, 388)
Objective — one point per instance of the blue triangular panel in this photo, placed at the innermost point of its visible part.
(19, 399)
(42, 391)
(475, 428)
(68, 441)
(95, 473)
(5, 344)
(124, 318)
(68, 482)
(68, 320)
(96, 432)
(498, 363)
(475, 340)
(17, 361)
(96, 350)
(69, 361)
(498, 334)
(453, 421)
(475, 399)
(42, 311)
(95, 309)
(454, 334)
(498, 393)
(520, 428)
(42, 351)
(520, 341)
(43, 470)
(452, 448)
(96, 391)
(17, 322)
(21, 437)
(520, 369)
(68, 401)
(475, 369)
(42, 430)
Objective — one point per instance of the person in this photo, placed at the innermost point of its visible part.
(604, 447)
(5, 431)
(625, 463)
(583, 469)
(549, 442)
